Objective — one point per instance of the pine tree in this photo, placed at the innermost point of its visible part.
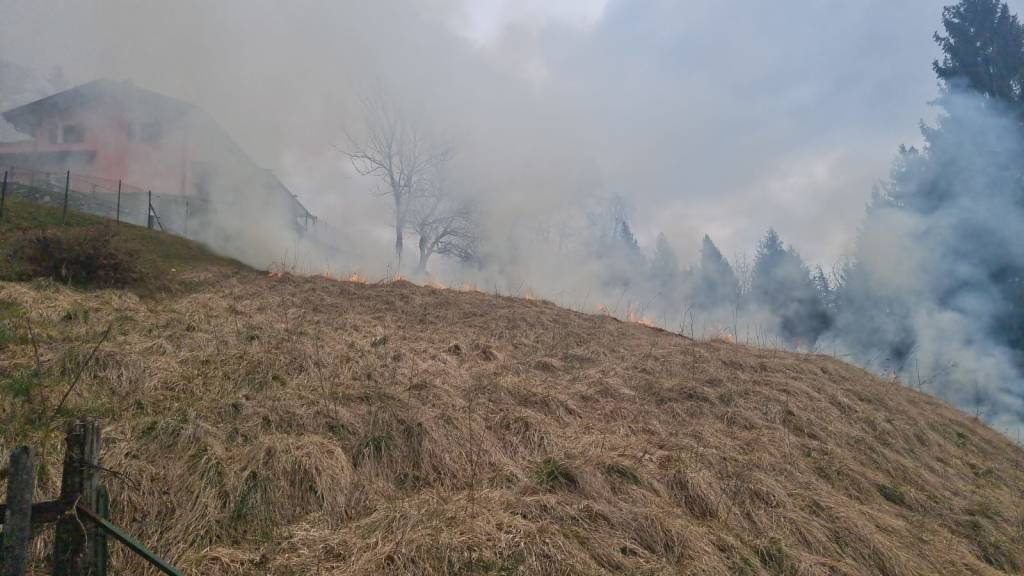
(665, 273)
(983, 50)
(825, 288)
(939, 236)
(783, 285)
(715, 285)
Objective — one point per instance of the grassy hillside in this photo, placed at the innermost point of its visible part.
(283, 425)
(159, 256)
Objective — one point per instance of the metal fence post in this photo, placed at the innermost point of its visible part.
(3, 195)
(99, 542)
(118, 217)
(67, 188)
(18, 520)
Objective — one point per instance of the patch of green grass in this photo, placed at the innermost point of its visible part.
(75, 314)
(161, 257)
(10, 310)
(484, 566)
(10, 314)
(893, 494)
(993, 548)
(250, 511)
(772, 555)
(22, 385)
(556, 474)
(623, 473)
(374, 446)
(20, 214)
(961, 439)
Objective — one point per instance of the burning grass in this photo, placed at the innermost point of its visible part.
(284, 425)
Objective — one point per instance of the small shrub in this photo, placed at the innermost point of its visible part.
(92, 256)
(556, 474)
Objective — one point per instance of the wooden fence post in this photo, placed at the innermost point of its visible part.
(149, 209)
(18, 519)
(67, 189)
(118, 220)
(78, 485)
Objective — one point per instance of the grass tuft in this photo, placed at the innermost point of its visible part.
(556, 474)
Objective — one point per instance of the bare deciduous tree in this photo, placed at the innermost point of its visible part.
(397, 151)
(445, 222)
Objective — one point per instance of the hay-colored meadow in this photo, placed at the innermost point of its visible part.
(285, 425)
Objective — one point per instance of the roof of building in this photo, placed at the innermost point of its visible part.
(26, 118)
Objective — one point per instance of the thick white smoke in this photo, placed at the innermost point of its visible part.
(723, 118)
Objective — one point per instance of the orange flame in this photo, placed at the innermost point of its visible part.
(357, 279)
(273, 274)
(723, 335)
(632, 316)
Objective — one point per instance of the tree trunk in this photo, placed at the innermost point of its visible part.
(398, 249)
(399, 229)
(425, 252)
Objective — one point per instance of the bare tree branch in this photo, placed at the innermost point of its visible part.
(398, 152)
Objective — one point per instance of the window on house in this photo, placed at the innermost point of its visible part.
(72, 134)
(150, 132)
(66, 134)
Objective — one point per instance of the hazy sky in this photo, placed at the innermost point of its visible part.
(717, 116)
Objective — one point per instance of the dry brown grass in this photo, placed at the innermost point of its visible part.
(306, 426)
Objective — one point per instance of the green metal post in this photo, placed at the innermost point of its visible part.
(130, 542)
(100, 553)
(67, 189)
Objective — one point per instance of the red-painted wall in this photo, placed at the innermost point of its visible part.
(163, 165)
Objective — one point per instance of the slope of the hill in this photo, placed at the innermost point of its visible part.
(283, 425)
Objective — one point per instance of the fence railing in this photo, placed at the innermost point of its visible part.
(81, 513)
(114, 199)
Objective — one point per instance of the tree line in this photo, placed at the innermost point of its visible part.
(936, 247)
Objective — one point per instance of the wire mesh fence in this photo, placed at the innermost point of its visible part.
(109, 198)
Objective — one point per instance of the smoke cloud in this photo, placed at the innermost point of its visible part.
(676, 118)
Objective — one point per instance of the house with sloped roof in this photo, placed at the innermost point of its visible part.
(110, 131)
